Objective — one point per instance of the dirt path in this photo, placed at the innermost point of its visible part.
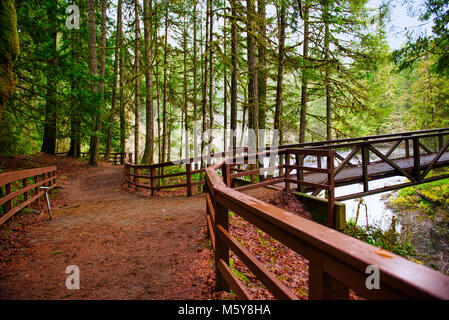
(126, 246)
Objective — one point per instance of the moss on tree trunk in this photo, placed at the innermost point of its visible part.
(9, 49)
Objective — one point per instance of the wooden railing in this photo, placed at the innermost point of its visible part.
(21, 188)
(337, 262)
(152, 176)
(115, 158)
(420, 153)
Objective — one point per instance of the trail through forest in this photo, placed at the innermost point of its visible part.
(126, 246)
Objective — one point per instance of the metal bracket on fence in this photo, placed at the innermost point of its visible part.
(46, 189)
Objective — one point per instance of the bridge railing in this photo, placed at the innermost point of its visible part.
(21, 188)
(420, 153)
(337, 262)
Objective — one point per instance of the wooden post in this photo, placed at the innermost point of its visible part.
(51, 175)
(321, 285)
(130, 157)
(287, 171)
(407, 148)
(152, 181)
(261, 166)
(331, 193)
(440, 142)
(221, 249)
(136, 179)
(25, 195)
(365, 162)
(8, 204)
(299, 160)
(251, 167)
(128, 174)
(226, 169)
(36, 180)
(189, 179)
(416, 159)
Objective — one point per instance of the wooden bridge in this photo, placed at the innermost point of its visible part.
(356, 161)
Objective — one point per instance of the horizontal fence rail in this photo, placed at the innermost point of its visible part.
(152, 176)
(337, 262)
(115, 158)
(21, 188)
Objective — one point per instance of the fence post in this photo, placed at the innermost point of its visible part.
(287, 171)
(8, 204)
(251, 167)
(407, 148)
(226, 171)
(128, 174)
(221, 249)
(416, 159)
(136, 179)
(130, 157)
(152, 184)
(331, 191)
(36, 190)
(189, 179)
(365, 162)
(25, 195)
(321, 285)
(299, 161)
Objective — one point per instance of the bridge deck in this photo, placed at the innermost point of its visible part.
(376, 170)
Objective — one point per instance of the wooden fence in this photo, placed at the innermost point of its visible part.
(152, 177)
(21, 188)
(337, 262)
(115, 158)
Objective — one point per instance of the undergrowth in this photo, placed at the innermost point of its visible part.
(390, 239)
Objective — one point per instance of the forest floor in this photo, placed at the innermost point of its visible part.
(126, 246)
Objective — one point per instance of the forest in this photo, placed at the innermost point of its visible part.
(147, 76)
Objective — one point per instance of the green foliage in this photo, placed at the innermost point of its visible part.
(425, 197)
(389, 240)
(436, 44)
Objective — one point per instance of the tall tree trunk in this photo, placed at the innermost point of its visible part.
(205, 78)
(137, 83)
(280, 74)
(195, 85)
(211, 75)
(118, 42)
(93, 160)
(304, 77)
(327, 77)
(122, 99)
(75, 119)
(164, 92)
(102, 68)
(49, 137)
(234, 73)
(148, 26)
(186, 110)
(253, 117)
(225, 81)
(262, 72)
(159, 130)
